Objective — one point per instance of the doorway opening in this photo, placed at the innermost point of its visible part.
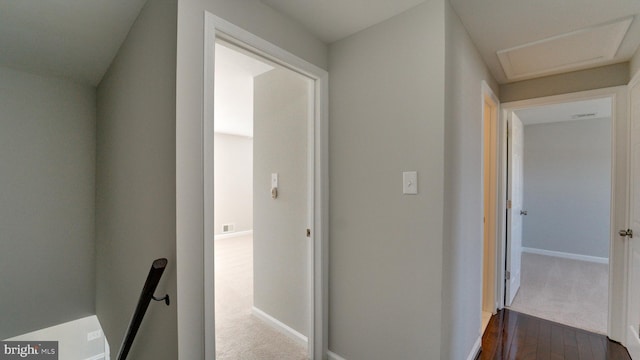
(263, 207)
(315, 231)
(490, 107)
(559, 211)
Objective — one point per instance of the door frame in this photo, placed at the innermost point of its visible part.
(512, 119)
(489, 96)
(616, 322)
(216, 27)
(635, 81)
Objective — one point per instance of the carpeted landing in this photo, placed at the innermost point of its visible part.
(239, 334)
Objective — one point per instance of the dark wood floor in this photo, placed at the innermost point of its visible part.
(512, 335)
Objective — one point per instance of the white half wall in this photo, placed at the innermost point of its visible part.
(233, 190)
(567, 187)
(72, 338)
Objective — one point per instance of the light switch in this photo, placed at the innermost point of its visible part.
(274, 180)
(410, 182)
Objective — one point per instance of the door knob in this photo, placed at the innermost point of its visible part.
(627, 232)
(523, 212)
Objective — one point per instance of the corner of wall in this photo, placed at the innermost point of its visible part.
(135, 181)
(462, 294)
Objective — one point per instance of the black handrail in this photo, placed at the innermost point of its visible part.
(155, 273)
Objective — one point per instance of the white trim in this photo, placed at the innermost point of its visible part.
(233, 234)
(208, 183)
(566, 255)
(630, 334)
(333, 356)
(476, 349)
(97, 357)
(216, 27)
(280, 326)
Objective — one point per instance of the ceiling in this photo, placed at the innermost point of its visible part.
(332, 20)
(496, 25)
(77, 39)
(570, 111)
(235, 74)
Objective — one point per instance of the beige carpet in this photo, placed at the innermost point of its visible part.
(570, 292)
(240, 335)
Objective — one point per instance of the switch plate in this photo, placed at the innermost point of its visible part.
(274, 180)
(410, 182)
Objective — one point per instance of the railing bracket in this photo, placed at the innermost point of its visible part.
(165, 299)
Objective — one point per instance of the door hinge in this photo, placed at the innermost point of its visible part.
(507, 275)
(508, 204)
(627, 232)
(308, 233)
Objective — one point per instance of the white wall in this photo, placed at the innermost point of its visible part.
(463, 209)
(233, 191)
(47, 214)
(234, 103)
(135, 182)
(268, 24)
(567, 187)
(387, 116)
(234, 73)
(73, 343)
(280, 246)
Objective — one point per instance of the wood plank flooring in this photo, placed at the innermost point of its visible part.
(512, 335)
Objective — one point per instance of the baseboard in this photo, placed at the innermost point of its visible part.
(280, 326)
(233, 234)
(565, 255)
(475, 351)
(98, 357)
(333, 356)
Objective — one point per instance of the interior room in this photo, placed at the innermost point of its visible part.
(261, 267)
(567, 209)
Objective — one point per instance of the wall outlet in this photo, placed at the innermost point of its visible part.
(94, 335)
(228, 228)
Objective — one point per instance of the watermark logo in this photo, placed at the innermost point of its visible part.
(29, 350)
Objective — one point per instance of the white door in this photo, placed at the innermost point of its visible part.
(633, 294)
(514, 214)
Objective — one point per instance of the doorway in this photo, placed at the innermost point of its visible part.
(313, 234)
(262, 207)
(490, 124)
(552, 249)
(563, 211)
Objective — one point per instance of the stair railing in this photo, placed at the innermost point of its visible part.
(155, 273)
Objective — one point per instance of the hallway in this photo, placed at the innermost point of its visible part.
(512, 335)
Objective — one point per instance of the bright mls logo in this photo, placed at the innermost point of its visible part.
(31, 350)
